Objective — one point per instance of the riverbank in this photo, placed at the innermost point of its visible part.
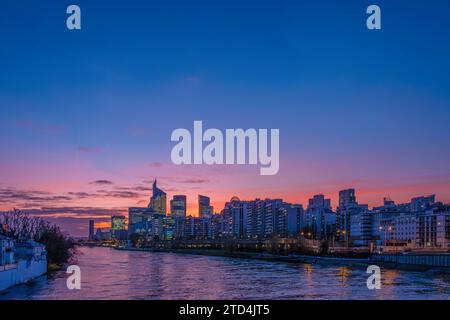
(21, 272)
(404, 262)
(109, 274)
(260, 256)
(21, 262)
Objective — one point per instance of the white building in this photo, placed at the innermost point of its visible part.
(6, 251)
(20, 262)
(399, 229)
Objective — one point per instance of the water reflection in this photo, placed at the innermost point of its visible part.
(112, 274)
(344, 273)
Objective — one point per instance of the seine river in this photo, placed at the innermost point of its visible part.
(112, 274)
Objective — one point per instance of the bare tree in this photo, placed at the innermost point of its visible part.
(21, 226)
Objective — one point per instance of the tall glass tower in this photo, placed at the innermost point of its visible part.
(158, 200)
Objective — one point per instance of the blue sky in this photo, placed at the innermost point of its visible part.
(355, 107)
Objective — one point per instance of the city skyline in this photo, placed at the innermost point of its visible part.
(87, 114)
(420, 224)
(103, 221)
(213, 157)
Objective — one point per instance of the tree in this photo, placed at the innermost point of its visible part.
(324, 246)
(60, 248)
(20, 226)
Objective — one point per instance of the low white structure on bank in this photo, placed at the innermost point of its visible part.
(20, 262)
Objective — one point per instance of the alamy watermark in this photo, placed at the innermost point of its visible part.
(241, 147)
(374, 280)
(374, 20)
(74, 280)
(73, 21)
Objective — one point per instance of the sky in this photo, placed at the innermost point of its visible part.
(86, 116)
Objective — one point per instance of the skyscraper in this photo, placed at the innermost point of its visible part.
(178, 206)
(158, 201)
(205, 210)
(139, 220)
(91, 229)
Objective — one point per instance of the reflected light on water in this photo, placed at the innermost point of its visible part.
(343, 274)
(114, 274)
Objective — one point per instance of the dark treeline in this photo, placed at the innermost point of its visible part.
(20, 226)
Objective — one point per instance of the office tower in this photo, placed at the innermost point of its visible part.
(347, 206)
(118, 222)
(205, 210)
(178, 206)
(91, 229)
(139, 220)
(118, 230)
(158, 200)
(169, 228)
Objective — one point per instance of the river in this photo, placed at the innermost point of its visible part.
(112, 274)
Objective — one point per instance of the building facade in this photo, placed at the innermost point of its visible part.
(178, 206)
(158, 201)
(320, 218)
(433, 228)
(205, 210)
(91, 230)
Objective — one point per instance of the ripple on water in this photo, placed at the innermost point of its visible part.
(113, 274)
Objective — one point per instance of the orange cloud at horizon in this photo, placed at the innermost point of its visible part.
(72, 187)
(103, 224)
